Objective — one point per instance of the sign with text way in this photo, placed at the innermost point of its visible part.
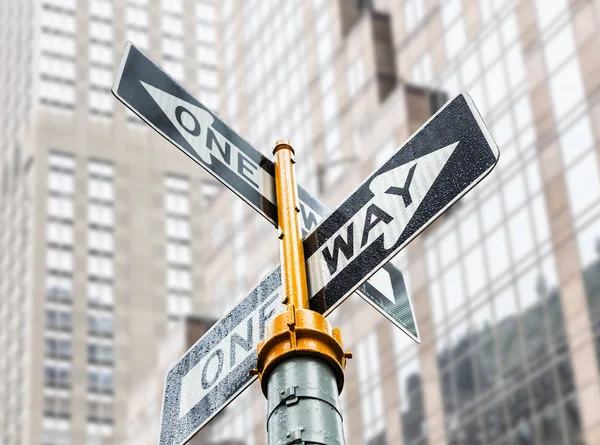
(184, 121)
(441, 162)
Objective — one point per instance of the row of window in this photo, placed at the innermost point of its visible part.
(59, 376)
(178, 255)
(59, 348)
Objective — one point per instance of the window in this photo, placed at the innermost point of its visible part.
(100, 294)
(177, 204)
(207, 55)
(566, 88)
(100, 267)
(179, 280)
(456, 39)
(100, 102)
(178, 254)
(559, 47)
(172, 26)
(100, 240)
(101, 169)
(173, 48)
(422, 71)
(179, 305)
(100, 354)
(59, 260)
(100, 412)
(548, 11)
(56, 44)
(205, 11)
(176, 183)
(205, 33)
(59, 288)
(57, 376)
(136, 17)
(413, 13)
(100, 31)
(583, 183)
(208, 78)
(576, 140)
(101, 9)
(100, 325)
(100, 381)
(100, 215)
(100, 54)
(355, 76)
(61, 161)
(414, 428)
(100, 77)
(139, 38)
(58, 348)
(58, 319)
(56, 406)
(60, 182)
(52, 436)
(57, 21)
(370, 383)
(60, 233)
(178, 229)
(53, 93)
(100, 189)
(172, 6)
(57, 68)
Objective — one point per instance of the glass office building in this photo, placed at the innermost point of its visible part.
(506, 284)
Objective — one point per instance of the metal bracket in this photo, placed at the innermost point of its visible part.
(295, 437)
(292, 395)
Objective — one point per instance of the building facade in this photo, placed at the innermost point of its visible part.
(101, 218)
(505, 286)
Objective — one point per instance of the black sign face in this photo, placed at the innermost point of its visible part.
(442, 161)
(185, 122)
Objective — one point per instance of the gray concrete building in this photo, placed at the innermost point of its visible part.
(100, 219)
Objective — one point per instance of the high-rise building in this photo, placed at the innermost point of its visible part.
(99, 217)
(506, 285)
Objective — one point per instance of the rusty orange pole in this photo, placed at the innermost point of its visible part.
(301, 359)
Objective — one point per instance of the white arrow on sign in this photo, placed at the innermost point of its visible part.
(184, 121)
(397, 194)
(441, 162)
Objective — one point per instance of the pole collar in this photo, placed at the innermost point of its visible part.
(283, 144)
(300, 331)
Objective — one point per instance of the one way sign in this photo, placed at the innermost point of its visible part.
(185, 122)
(441, 162)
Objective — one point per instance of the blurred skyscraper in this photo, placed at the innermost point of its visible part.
(506, 286)
(96, 216)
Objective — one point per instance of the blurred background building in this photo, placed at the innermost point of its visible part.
(101, 219)
(96, 217)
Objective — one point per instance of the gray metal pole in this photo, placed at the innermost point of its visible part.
(301, 359)
(303, 403)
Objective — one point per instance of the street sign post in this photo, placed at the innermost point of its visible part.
(184, 121)
(441, 162)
